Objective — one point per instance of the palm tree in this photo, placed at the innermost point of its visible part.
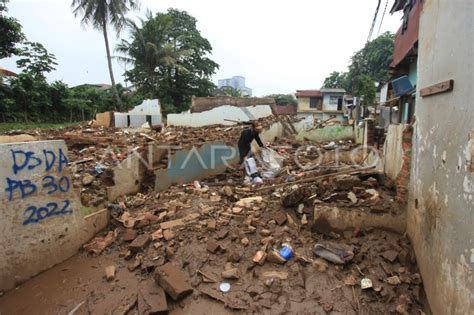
(151, 51)
(101, 13)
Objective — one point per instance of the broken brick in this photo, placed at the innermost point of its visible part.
(174, 281)
(213, 246)
(139, 243)
(390, 255)
(280, 218)
(234, 257)
(157, 235)
(134, 264)
(260, 257)
(152, 299)
(222, 234)
(129, 235)
(151, 217)
(232, 273)
(168, 234)
(211, 225)
(275, 257)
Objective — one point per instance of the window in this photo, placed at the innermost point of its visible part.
(333, 100)
(315, 102)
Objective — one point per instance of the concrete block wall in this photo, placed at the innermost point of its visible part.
(440, 214)
(42, 221)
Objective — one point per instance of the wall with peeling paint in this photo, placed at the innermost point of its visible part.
(441, 202)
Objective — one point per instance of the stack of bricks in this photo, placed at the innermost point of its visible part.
(403, 177)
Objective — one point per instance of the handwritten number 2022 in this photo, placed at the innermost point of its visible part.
(36, 214)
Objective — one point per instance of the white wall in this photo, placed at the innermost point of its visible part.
(217, 115)
(44, 223)
(441, 204)
(326, 103)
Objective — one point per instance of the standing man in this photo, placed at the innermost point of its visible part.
(246, 138)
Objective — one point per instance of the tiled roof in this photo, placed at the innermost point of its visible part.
(308, 93)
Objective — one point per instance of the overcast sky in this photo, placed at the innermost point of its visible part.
(278, 45)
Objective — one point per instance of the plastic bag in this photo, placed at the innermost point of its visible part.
(272, 163)
(253, 176)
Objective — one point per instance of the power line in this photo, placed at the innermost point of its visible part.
(383, 15)
(373, 22)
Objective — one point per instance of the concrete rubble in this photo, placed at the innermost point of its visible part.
(181, 243)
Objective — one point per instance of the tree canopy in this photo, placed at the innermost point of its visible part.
(283, 99)
(11, 33)
(368, 66)
(100, 14)
(170, 59)
(337, 80)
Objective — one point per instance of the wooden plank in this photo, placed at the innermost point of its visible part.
(312, 179)
(438, 88)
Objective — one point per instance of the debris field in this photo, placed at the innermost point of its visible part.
(243, 249)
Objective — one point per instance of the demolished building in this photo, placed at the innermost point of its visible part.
(189, 237)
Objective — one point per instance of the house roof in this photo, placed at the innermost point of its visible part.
(308, 93)
(7, 73)
(102, 86)
(332, 90)
(406, 39)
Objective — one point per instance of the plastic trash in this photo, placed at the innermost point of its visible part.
(286, 251)
(335, 253)
(100, 168)
(271, 163)
(253, 176)
(365, 283)
(331, 145)
(224, 287)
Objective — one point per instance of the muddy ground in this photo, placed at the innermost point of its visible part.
(225, 235)
(220, 231)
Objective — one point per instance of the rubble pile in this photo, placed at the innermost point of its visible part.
(248, 248)
(257, 249)
(94, 151)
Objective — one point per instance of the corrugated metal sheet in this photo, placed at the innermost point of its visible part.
(405, 40)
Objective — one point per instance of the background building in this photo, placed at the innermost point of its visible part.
(236, 82)
(323, 103)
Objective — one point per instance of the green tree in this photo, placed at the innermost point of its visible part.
(365, 89)
(170, 59)
(11, 33)
(373, 60)
(148, 51)
(36, 60)
(230, 91)
(336, 80)
(30, 96)
(100, 14)
(284, 99)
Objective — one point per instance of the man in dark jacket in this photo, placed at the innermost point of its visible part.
(246, 138)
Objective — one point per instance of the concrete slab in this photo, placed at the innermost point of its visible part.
(42, 219)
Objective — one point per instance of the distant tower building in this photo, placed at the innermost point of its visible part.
(236, 82)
